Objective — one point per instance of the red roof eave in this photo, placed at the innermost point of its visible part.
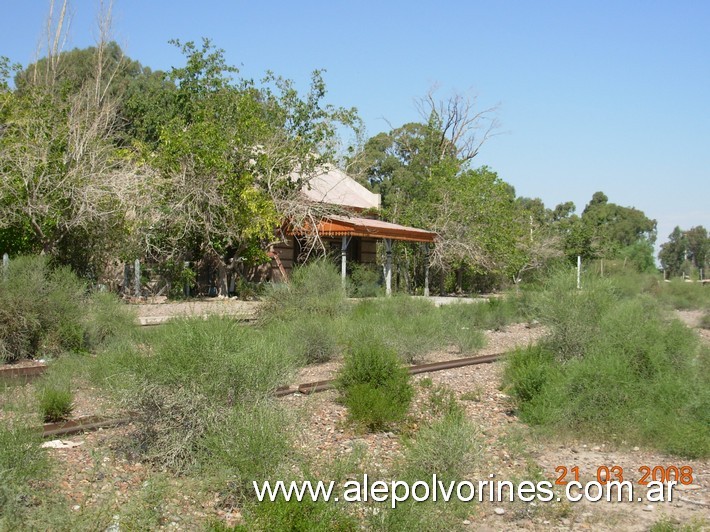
(368, 228)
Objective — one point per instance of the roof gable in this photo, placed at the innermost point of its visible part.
(333, 186)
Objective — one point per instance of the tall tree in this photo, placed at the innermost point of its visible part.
(613, 231)
(674, 253)
(64, 184)
(685, 251)
(228, 158)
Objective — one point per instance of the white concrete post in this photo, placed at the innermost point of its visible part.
(137, 277)
(343, 258)
(579, 272)
(388, 267)
(5, 265)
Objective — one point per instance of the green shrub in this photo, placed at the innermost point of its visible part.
(493, 314)
(447, 447)
(410, 326)
(375, 386)
(55, 403)
(572, 315)
(315, 340)
(633, 373)
(315, 289)
(42, 310)
(364, 281)
(682, 295)
(47, 311)
(427, 516)
(107, 318)
(251, 445)
(182, 379)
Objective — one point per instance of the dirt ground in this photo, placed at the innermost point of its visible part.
(509, 449)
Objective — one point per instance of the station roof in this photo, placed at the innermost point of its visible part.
(369, 228)
(333, 186)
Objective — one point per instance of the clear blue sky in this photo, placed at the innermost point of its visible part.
(604, 95)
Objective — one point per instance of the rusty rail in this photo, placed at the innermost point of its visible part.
(64, 428)
(25, 373)
(321, 386)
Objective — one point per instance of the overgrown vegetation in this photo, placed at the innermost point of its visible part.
(183, 384)
(315, 290)
(22, 464)
(375, 386)
(46, 311)
(614, 366)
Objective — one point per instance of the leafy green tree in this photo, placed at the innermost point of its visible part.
(64, 183)
(685, 250)
(612, 231)
(226, 157)
(698, 246)
(143, 98)
(674, 252)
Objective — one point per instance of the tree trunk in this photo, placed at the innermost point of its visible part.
(459, 279)
(223, 287)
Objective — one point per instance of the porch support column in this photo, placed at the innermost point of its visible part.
(344, 258)
(388, 266)
(426, 269)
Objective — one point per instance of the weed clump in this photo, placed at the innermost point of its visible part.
(55, 403)
(375, 386)
(447, 447)
(316, 516)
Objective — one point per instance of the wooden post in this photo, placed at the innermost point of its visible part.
(426, 269)
(388, 267)
(186, 289)
(137, 277)
(579, 272)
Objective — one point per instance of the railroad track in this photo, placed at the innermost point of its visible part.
(321, 386)
(22, 374)
(66, 428)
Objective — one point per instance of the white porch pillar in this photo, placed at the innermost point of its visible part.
(388, 266)
(426, 269)
(344, 258)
